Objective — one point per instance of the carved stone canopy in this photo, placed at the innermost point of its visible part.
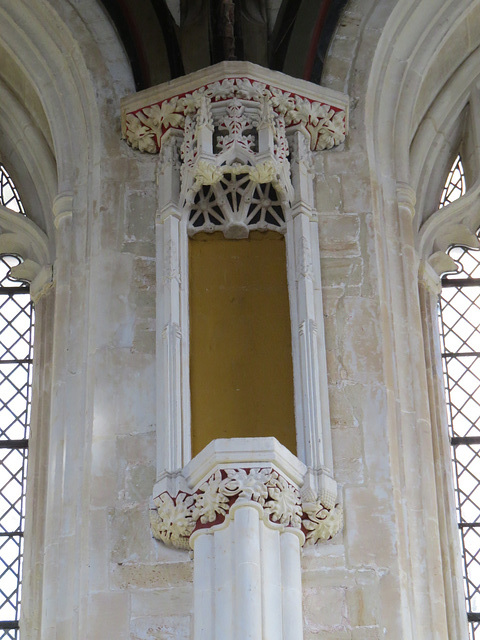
(230, 130)
(235, 145)
(149, 115)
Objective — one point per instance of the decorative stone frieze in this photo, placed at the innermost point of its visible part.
(174, 519)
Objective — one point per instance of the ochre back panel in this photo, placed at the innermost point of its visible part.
(241, 375)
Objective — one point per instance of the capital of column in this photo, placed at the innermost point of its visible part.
(229, 474)
(429, 278)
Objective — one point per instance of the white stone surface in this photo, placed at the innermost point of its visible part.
(247, 579)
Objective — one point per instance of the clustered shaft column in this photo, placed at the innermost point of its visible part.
(247, 572)
(239, 508)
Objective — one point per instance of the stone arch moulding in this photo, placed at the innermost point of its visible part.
(233, 119)
(457, 222)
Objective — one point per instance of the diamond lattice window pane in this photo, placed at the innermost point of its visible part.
(460, 337)
(8, 193)
(460, 313)
(455, 183)
(468, 265)
(467, 463)
(16, 340)
(14, 400)
(471, 540)
(462, 383)
(11, 554)
(475, 629)
(12, 478)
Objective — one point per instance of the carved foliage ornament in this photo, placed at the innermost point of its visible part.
(174, 519)
(145, 128)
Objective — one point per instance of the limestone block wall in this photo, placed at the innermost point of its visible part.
(350, 583)
(146, 586)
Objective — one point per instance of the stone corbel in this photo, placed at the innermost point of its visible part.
(235, 472)
(239, 507)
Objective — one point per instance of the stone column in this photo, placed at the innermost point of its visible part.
(248, 573)
(238, 505)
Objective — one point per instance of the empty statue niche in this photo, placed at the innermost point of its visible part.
(241, 374)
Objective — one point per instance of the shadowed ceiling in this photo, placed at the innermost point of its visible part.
(165, 39)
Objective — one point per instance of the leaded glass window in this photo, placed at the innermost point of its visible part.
(460, 343)
(460, 314)
(454, 185)
(16, 344)
(8, 193)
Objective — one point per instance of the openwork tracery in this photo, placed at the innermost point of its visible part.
(236, 202)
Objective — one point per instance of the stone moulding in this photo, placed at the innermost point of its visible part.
(175, 518)
(320, 115)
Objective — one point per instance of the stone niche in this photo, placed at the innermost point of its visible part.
(235, 145)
